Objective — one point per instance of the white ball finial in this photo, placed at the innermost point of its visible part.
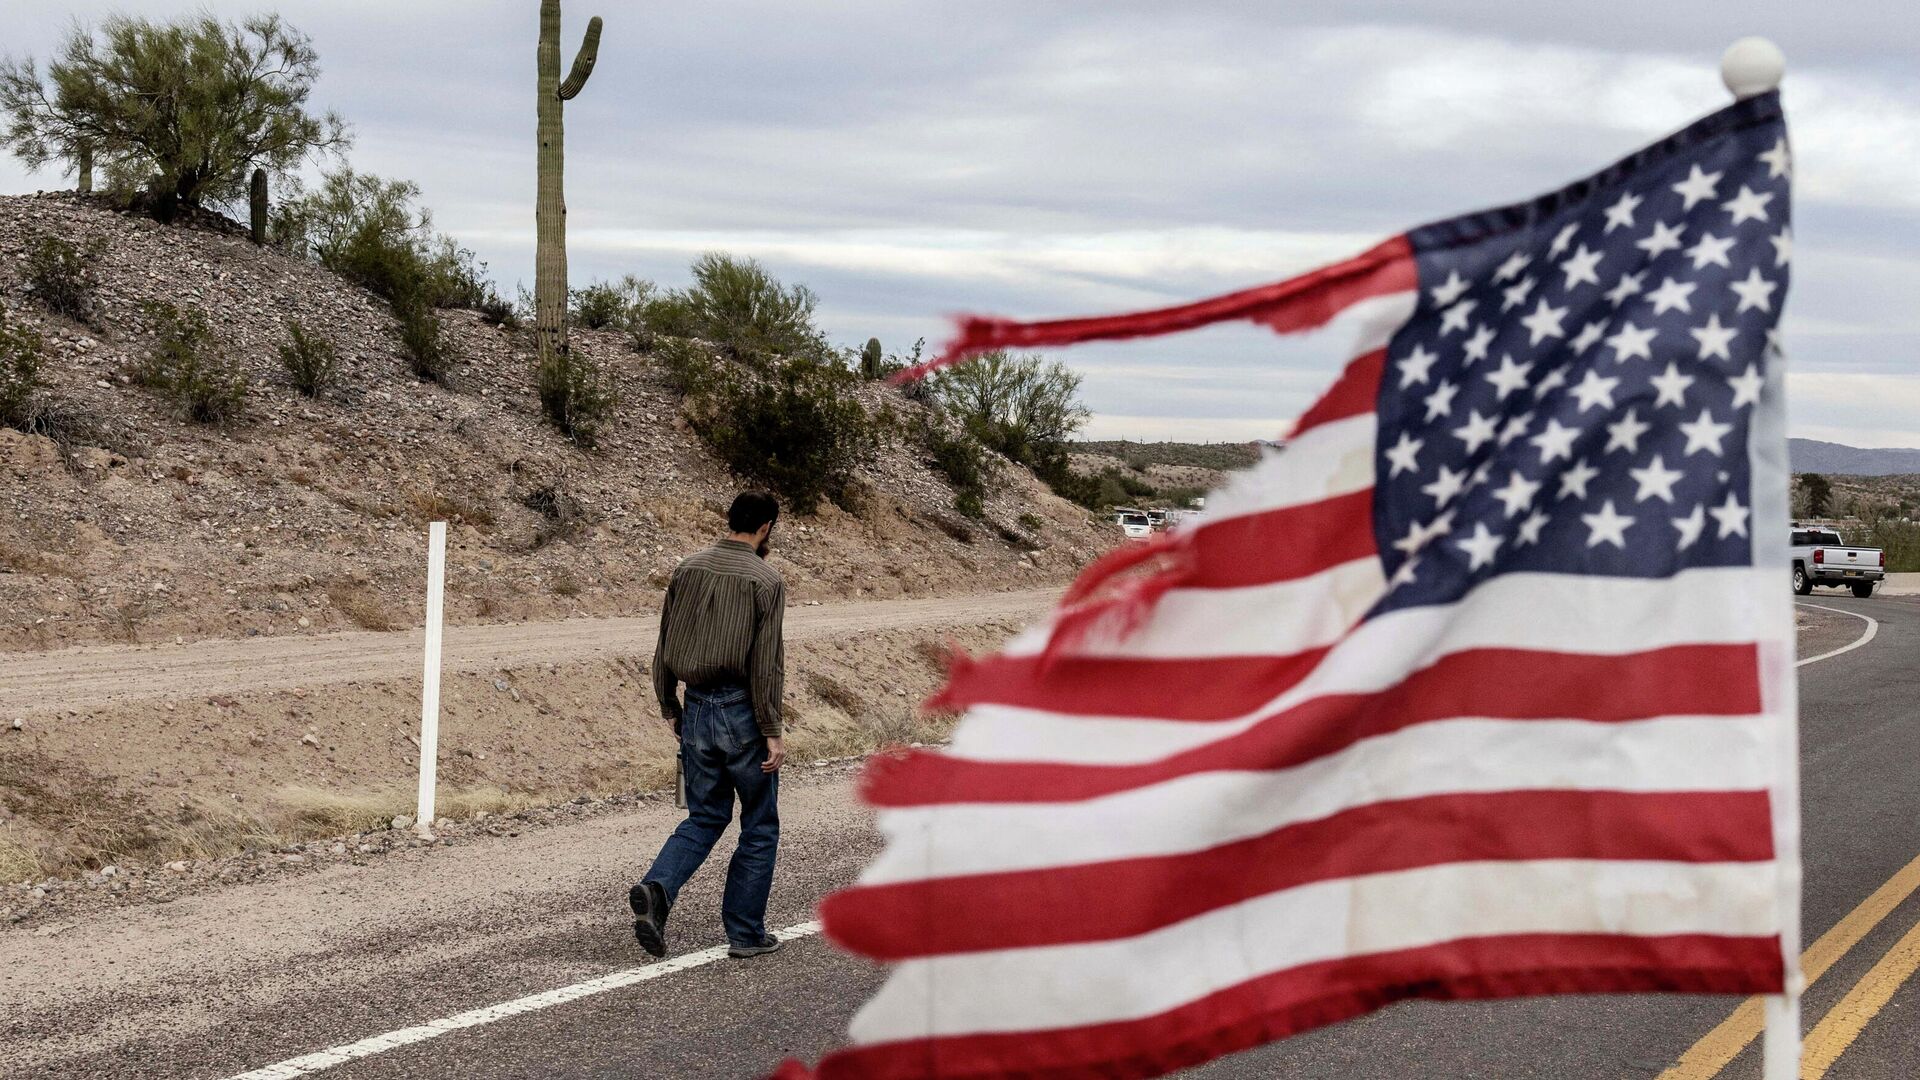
(1752, 65)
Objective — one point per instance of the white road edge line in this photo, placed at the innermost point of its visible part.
(1873, 627)
(308, 1064)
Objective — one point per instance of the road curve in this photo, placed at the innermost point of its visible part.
(96, 676)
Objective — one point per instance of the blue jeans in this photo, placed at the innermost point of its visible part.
(721, 749)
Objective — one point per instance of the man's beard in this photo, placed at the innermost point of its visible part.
(762, 550)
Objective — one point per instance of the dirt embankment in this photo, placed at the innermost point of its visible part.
(177, 767)
(308, 515)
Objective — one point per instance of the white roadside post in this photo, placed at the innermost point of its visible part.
(1750, 66)
(430, 678)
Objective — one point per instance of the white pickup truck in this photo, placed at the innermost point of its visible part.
(1819, 558)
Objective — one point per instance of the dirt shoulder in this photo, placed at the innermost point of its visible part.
(137, 758)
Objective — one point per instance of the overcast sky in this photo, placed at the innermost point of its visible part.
(908, 161)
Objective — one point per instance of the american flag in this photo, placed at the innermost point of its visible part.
(1480, 687)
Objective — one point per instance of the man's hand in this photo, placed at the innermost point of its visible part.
(776, 753)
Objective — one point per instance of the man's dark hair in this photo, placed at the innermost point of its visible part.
(752, 509)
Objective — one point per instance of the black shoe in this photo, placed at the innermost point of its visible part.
(649, 902)
(768, 944)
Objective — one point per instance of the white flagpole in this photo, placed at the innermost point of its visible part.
(1753, 66)
(430, 677)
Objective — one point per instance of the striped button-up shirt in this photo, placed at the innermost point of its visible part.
(720, 626)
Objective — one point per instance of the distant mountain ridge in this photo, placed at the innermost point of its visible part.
(1812, 455)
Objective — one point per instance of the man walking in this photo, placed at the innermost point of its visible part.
(720, 635)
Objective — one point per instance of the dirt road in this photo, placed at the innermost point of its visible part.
(87, 678)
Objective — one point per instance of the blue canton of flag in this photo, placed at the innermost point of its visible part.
(1573, 392)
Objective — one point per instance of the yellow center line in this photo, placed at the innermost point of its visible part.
(1844, 1023)
(1707, 1057)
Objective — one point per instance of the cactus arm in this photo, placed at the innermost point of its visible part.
(583, 62)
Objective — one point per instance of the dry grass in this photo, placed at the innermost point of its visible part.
(17, 861)
(565, 584)
(428, 504)
(836, 693)
(359, 604)
(307, 812)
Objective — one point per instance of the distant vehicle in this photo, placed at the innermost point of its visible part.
(1820, 558)
(1134, 523)
(1157, 518)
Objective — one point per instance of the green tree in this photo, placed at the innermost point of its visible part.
(1026, 407)
(737, 304)
(177, 113)
(1819, 494)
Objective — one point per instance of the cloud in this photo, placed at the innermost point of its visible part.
(909, 161)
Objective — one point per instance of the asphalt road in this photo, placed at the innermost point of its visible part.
(219, 984)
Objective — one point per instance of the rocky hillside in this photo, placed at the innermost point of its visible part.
(1814, 456)
(131, 524)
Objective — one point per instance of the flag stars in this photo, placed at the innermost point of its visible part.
(1705, 434)
(1714, 338)
(1689, 528)
(1481, 547)
(1518, 493)
(1655, 481)
(1779, 160)
(1415, 366)
(1710, 250)
(1556, 441)
(1573, 482)
(1588, 334)
(1508, 377)
(1699, 185)
(1670, 387)
(1440, 402)
(1595, 391)
(1510, 269)
(1478, 431)
(1782, 242)
(1631, 341)
(1445, 486)
(1450, 290)
(1747, 386)
(1581, 267)
(1562, 238)
(1749, 205)
(1516, 427)
(1516, 294)
(1624, 434)
(1628, 286)
(1730, 517)
(1754, 292)
(1620, 214)
(1456, 316)
(1530, 529)
(1544, 322)
(1608, 526)
(1477, 345)
(1672, 296)
(1663, 238)
(1404, 455)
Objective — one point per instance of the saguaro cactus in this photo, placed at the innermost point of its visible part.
(257, 202)
(550, 208)
(870, 359)
(83, 165)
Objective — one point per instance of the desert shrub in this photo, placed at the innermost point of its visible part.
(736, 304)
(1025, 407)
(1899, 539)
(562, 515)
(361, 605)
(20, 347)
(310, 360)
(424, 338)
(689, 368)
(576, 395)
(611, 305)
(837, 694)
(963, 461)
(497, 310)
(796, 428)
(187, 366)
(59, 276)
(1031, 522)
